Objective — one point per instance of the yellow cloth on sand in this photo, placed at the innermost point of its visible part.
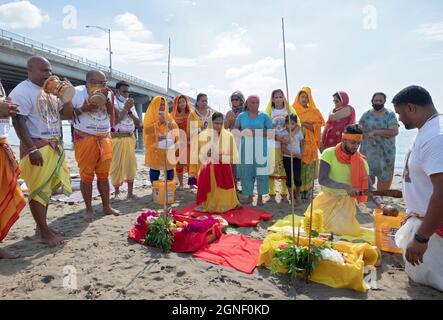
(124, 162)
(349, 275)
(152, 129)
(285, 226)
(43, 181)
(339, 213)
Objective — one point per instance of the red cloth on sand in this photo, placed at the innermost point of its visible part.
(234, 251)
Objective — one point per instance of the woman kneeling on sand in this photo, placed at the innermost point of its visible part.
(216, 189)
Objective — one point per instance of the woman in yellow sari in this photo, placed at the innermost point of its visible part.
(197, 122)
(312, 121)
(277, 110)
(182, 111)
(216, 187)
(157, 132)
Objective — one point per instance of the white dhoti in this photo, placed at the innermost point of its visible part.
(430, 272)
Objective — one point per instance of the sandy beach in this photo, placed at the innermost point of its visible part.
(108, 266)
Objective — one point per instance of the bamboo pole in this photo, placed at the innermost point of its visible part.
(291, 189)
(165, 205)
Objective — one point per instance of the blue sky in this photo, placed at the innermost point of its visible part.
(222, 46)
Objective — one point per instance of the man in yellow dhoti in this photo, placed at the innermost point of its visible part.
(343, 174)
(124, 162)
(38, 123)
(92, 141)
(12, 200)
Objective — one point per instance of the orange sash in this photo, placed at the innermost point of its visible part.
(359, 175)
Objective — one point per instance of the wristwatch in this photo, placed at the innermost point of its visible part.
(421, 239)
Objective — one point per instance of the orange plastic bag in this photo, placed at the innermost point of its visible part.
(385, 229)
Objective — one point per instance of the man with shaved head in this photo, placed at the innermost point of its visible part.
(92, 140)
(42, 157)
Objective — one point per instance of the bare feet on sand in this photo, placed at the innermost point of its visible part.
(284, 199)
(110, 212)
(248, 201)
(50, 239)
(89, 215)
(132, 197)
(260, 201)
(117, 196)
(4, 254)
(54, 231)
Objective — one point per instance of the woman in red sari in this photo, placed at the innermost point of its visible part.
(182, 111)
(342, 116)
(216, 189)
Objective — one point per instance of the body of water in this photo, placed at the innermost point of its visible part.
(404, 141)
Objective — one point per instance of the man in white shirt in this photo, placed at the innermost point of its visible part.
(124, 162)
(42, 157)
(421, 237)
(92, 141)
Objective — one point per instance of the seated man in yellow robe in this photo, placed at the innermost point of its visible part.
(343, 175)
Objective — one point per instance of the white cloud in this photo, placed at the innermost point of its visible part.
(310, 45)
(190, 3)
(258, 78)
(134, 27)
(431, 31)
(265, 66)
(184, 85)
(230, 44)
(21, 15)
(169, 17)
(131, 43)
(289, 46)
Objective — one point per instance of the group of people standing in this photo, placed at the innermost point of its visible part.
(226, 158)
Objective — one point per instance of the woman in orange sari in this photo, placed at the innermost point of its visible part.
(312, 121)
(342, 116)
(157, 134)
(182, 111)
(12, 200)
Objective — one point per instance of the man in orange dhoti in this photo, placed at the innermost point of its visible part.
(92, 141)
(12, 200)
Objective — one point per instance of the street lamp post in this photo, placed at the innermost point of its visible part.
(170, 78)
(110, 48)
(196, 91)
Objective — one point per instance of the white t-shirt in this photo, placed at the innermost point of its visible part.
(90, 122)
(4, 127)
(41, 109)
(424, 159)
(278, 117)
(126, 124)
(295, 143)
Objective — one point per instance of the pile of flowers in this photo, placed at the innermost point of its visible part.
(164, 230)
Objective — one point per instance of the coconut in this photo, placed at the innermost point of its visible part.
(390, 211)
